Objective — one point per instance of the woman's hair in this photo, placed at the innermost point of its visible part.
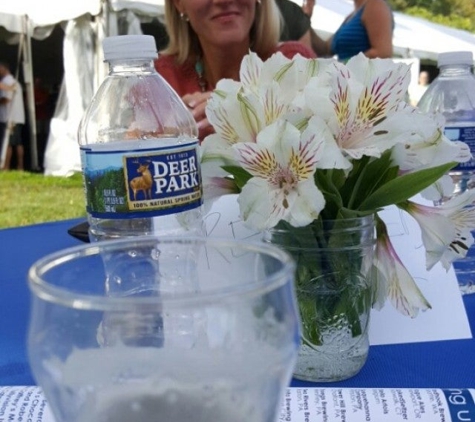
(184, 43)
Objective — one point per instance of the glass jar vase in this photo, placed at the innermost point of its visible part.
(334, 292)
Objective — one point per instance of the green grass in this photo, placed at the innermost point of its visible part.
(31, 198)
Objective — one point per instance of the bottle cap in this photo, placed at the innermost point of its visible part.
(455, 57)
(129, 47)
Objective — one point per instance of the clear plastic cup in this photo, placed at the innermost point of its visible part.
(169, 329)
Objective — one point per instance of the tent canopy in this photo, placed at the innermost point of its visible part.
(51, 12)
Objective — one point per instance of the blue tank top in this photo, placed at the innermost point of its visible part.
(351, 38)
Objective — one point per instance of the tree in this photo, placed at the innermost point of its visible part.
(455, 13)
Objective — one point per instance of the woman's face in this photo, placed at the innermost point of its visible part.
(219, 22)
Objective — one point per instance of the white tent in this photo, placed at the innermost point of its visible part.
(83, 68)
(82, 60)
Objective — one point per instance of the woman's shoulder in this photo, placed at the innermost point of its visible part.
(377, 12)
(291, 48)
(372, 7)
(167, 62)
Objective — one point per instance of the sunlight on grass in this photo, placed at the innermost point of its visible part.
(30, 198)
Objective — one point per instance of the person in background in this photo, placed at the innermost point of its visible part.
(308, 6)
(12, 113)
(208, 40)
(4, 88)
(296, 23)
(368, 29)
(417, 91)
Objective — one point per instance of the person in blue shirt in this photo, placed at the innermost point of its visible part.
(368, 29)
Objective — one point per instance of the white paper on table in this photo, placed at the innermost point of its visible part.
(447, 320)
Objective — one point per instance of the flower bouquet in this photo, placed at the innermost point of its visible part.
(315, 149)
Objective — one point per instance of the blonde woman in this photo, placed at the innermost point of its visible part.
(208, 40)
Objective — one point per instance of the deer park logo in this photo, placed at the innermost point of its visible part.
(162, 181)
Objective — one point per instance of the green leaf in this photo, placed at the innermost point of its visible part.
(367, 176)
(329, 182)
(404, 187)
(346, 213)
(241, 176)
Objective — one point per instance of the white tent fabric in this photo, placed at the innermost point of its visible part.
(413, 37)
(62, 155)
(44, 13)
(416, 37)
(83, 72)
(51, 12)
(83, 67)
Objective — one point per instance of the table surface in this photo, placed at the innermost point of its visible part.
(442, 364)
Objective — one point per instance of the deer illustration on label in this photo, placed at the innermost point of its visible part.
(144, 182)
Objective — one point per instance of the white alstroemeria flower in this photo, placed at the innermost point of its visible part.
(443, 188)
(368, 70)
(214, 156)
(239, 116)
(225, 185)
(332, 158)
(231, 119)
(292, 75)
(268, 90)
(215, 181)
(361, 103)
(238, 111)
(393, 280)
(445, 229)
(428, 147)
(282, 163)
(255, 72)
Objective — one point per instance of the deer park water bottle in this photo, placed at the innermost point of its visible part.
(139, 150)
(452, 94)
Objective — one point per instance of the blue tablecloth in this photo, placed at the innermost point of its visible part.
(444, 364)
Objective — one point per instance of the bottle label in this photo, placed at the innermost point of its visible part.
(141, 183)
(465, 134)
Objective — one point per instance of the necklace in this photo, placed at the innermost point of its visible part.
(199, 69)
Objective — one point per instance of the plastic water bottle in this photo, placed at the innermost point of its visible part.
(139, 150)
(452, 94)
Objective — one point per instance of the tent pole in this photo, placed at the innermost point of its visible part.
(30, 95)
